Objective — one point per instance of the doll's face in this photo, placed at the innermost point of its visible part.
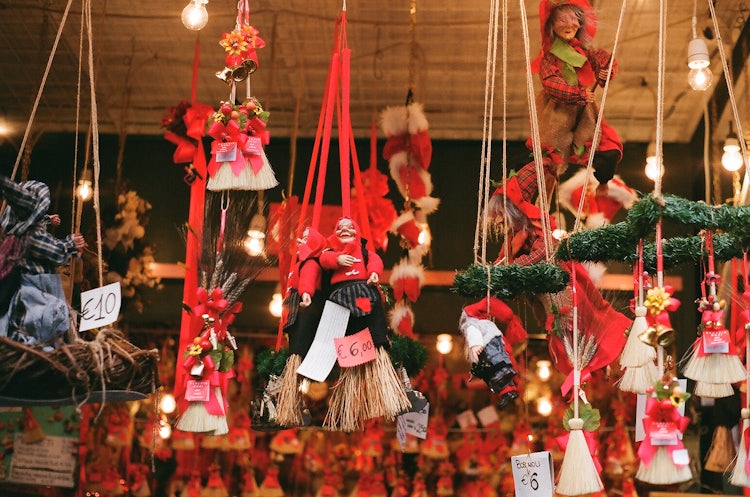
(565, 23)
(303, 239)
(345, 230)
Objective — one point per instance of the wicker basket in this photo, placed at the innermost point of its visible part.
(77, 371)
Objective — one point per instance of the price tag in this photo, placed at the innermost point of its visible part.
(197, 390)
(253, 145)
(225, 151)
(640, 411)
(356, 349)
(715, 341)
(401, 431)
(416, 422)
(321, 357)
(532, 474)
(488, 416)
(100, 307)
(663, 433)
(680, 457)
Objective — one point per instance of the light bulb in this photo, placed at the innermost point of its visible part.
(700, 79)
(255, 242)
(167, 404)
(654, 170)
(165, 430)
(275, 307)
(84, 190)
(544, 406)
(731, 160)
(543, 370)
(444, 343)
(195, 15)
(425, 237)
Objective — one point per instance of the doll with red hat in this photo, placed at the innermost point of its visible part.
(355, 277)
(490, 354)
(303, 306)
(570, 70)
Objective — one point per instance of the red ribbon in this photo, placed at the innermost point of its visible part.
(660, 411)
(591, 443)
(568, 383)
(228, 133)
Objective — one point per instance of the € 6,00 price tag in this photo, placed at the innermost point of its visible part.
(532, 474)
(100, 307)
(356, 349)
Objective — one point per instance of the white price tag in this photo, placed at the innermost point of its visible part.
(100, 307)
(532, 474)
(467, 419)
(416, 422)
(321, 356)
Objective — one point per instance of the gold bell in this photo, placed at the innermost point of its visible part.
(648, 336)
(225, 75)
(241, 72)
(664, 335)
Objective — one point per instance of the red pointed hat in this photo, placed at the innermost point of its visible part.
(512, 190)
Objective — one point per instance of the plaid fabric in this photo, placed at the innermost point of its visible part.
(44, 252)
(558, 89)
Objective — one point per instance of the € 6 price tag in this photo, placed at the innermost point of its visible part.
(532, 474)
(100, 307)
(356, 349)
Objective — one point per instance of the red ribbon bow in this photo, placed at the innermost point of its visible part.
(661, 412)
(228, 133)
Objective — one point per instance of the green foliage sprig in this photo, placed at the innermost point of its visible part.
(507, 282)
(268, 362)
(408, 353)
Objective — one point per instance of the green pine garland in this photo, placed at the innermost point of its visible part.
(408, 353)
(511, 281)
(269, 362)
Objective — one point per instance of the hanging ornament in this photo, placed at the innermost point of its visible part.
(664, 458)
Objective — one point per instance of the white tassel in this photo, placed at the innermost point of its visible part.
(636, 353)
(714, 368)
(662, 470)
(196, 419)
(638, 379)
(578, 475)
(225, 179)
(713, 390)
(739, 476)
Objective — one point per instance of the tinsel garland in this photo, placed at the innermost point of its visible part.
(510, 281)
(408, 353)
(271, 363)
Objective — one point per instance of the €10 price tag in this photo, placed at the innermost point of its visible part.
(532, 474)
(100, 307)
(356, 349)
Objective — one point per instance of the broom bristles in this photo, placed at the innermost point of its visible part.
(721, 453)
(662, 471)
(197, 419)
(638, 379)
(713, 390)
(348, 404)
(739, 475)
(715, 368)
(288, 412)
(578, 474)
(636, 353)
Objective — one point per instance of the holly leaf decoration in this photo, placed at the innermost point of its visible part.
(588, 414)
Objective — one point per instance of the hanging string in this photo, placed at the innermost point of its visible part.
(41, 89)
(537, 150)
(486, 154)
(732, 99)
(576, 364)
(412, 44)
(75, 210)
(660, 97)
(94, 140)
(578, 225)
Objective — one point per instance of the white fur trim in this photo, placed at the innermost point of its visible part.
(404, 269)
(396, 162)
(404, 218)
(596, 220)
(567, 187)
(428, 205)
(620, 191)
(393, 121)
(417, 119)
(400, 311)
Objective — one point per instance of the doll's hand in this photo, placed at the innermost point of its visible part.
(346, 260)
(79, 242)
(373, 279)
(54, 220)
(589, 96)
(305, 300)
(603, 73)
(474, 352)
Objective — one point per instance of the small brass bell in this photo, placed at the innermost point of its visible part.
(225, 75)
(665, 335)
(648, 336)
(241, 72)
